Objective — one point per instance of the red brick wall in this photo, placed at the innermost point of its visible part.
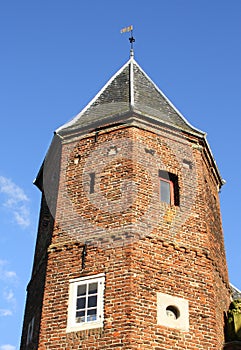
(142, 245)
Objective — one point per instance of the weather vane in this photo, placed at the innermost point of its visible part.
(131, 39)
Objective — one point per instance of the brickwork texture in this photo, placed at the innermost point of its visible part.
(142, 245)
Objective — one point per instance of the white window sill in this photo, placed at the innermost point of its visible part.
(84, 326)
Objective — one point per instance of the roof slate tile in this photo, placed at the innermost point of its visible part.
(129, 90)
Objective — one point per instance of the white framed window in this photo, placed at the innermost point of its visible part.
(86, 303)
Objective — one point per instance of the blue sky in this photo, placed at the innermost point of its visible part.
(56, 55)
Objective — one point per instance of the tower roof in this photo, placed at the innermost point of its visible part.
(236, 293)
(130, 90)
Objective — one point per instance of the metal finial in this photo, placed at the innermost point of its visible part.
(131, 39)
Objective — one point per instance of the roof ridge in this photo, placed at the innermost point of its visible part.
(132, 95)
(95, 98)
(167, 99)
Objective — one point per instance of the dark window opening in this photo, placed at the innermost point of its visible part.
(172, 312)
(169, 190)
(187, 164)
(92, 182)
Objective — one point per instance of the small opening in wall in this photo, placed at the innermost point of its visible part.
(92, 182)
(112, 151)
(187, 164)
(30, 331)
(169, 189)
(172, 312)
(76, 159)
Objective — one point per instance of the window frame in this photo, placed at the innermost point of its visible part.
(72, 325)
(179, 304)
(172, 180)
(171, 194)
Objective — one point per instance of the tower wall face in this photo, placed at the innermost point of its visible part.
(150, 252)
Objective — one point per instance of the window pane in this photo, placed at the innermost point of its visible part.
(92, 315)
(80, 313)
(80, 304)
(80, 316)
(93, 288)
(165, 192)
(81, 290)
(92, 301)
(80, 319)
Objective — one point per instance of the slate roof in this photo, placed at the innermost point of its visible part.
(129, 90)
(236, 293)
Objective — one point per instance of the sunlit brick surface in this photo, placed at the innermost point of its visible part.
(142, 245)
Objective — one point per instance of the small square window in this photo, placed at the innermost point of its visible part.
(172, 311)
(86, 303)
(169, 190)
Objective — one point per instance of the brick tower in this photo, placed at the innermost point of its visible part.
(129, 253)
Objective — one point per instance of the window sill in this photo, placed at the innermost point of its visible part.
(84, 326)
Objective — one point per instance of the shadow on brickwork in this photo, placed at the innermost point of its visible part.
(233, 326)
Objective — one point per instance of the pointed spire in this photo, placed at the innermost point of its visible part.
(130, 90)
